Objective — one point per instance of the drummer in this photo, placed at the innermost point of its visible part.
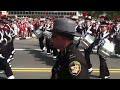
(104, 34)
(88, 29)
(116, 30)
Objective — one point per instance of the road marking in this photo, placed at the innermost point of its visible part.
(31, 70)
(50, 71)
(109, 71)
(40, 49)
(26, 49)
(96, 70)
(82, 50)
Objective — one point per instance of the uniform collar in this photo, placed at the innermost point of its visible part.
(104, 32)
(117, 28)
(87, 26)
(69, 47)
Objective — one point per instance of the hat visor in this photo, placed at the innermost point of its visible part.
(73, 34)
(88, 19)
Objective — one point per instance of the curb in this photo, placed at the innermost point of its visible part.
(24, 39)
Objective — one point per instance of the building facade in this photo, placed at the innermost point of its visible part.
(57, 14)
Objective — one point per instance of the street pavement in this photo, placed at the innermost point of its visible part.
(30, 63)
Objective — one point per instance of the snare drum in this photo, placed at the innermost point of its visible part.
(106, 49)
(87, 40)
(38, 33)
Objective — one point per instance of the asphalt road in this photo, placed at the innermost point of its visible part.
(30, 63)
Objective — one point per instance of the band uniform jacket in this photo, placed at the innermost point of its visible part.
(5, 49)
(70, 65)
(101, 37)
(116, 31)
(84, 30)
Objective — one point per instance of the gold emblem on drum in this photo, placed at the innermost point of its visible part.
(75, 68)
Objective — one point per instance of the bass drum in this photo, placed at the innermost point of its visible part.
(38, 33)
(106, 49)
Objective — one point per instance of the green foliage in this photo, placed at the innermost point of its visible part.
(110, 14)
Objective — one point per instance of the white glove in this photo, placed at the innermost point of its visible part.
(1, 56)
(89, 32)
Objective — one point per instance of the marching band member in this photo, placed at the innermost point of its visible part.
(116, 31)
(4, 51)
(11, 33)
(88, 29)
(104, 34)
(47, 36)
(11, 44)
(42, 28)
(48, 43)
(78, 28)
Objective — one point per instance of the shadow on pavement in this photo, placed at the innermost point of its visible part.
(94, 76)
(42, 57)
(36, 45)
(2, 77)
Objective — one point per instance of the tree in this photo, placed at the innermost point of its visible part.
(110, 14)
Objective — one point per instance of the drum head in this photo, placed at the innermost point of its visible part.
(90, 39)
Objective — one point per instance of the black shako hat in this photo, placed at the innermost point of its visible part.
(104, 22)
(66, 26)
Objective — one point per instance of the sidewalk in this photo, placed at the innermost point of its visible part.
(33, 36)
(23, 38)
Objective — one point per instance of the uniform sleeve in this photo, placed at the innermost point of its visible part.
(54, 70)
